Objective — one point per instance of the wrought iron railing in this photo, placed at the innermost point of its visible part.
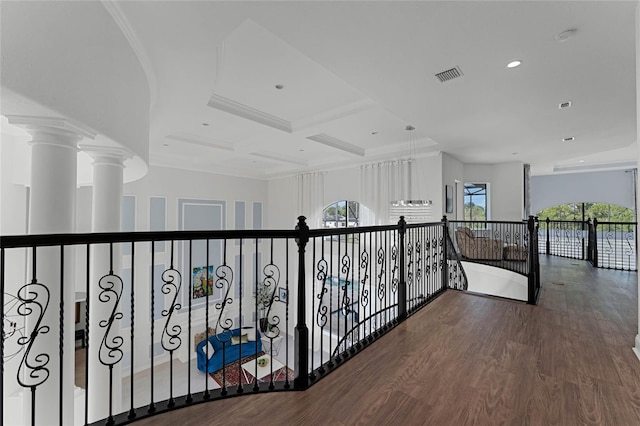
(564, 238)
(506, 245)
(179, 318)
(610, 245)
(614, 245)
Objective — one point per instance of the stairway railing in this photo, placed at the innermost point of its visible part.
(610, 245)
(305, 300)
(507, 245)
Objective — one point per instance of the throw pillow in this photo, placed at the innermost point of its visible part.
(250, 332)
(210, 349)
(239, 339)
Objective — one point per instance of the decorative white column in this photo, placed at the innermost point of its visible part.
(636, 349)
(105, 352)
(51, 210)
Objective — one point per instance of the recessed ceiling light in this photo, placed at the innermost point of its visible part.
(569, 139)
(165, 144)
(205, 124)
(581, 161)
(301, 150)
(565, 104)
(514, 153)
(565, 35)
(279, 86)
(374, 133)
(514, 64)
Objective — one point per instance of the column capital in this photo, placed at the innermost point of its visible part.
(52, 130)
(106, 155)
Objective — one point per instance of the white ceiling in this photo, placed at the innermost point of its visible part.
(351, 69)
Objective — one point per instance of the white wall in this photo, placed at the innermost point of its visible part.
(428, 184)
(612, 187)
(345, 184)
(506, 187)
(281, 210)
(175, 183)
(452, 171)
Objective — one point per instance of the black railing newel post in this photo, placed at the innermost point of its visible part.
(301, 356)
(548, 242)
(595, 245)
(445, 255)
(533, 273)
(402, 288)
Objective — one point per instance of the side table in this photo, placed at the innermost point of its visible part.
(271, 345)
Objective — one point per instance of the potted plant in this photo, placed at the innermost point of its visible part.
(263, 298)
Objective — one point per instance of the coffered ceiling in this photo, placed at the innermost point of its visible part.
(267, 89)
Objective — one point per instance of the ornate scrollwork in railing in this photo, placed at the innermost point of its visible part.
(409, 264)
(271, 281)
(629, 243)
(34, 299)
(434, 247)
(345, 269)
(381, 283)
(364, 291)
(418, 262)
(12, 328)
(506, 237)
(321, 315)
(171, 333)
(224, 281)
(110, 352)
(427, 259)
(608, 248)
(394, 271)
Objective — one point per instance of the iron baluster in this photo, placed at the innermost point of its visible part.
(33, 371)
(110, 352)
(170, 340)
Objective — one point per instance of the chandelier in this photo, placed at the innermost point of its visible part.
(411, 203)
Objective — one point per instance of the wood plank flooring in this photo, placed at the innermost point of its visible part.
(469, 360)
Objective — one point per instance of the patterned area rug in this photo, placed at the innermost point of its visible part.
(232, 372)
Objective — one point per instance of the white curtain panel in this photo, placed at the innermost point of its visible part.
(383, 183)
(310, 197)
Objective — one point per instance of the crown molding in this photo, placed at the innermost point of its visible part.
(333, 114)
(127, 30)
(337, 144)
(198, 140)
(244, 111)
(280, 158)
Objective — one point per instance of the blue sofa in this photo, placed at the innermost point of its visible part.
(231, 352)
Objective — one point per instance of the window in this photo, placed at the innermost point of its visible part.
(341, 214)
(582, 211)
(475, 201)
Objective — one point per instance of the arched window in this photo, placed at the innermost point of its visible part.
(341, 214)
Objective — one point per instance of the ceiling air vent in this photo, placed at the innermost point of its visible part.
(566, 104)
(449, 74)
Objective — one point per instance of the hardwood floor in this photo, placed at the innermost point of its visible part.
(469, 360)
